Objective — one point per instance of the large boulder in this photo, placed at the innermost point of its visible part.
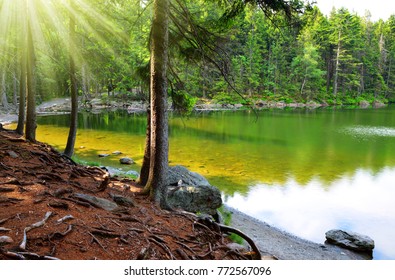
(350, 240)
(178, 172)
(192, 192)
(196, 199)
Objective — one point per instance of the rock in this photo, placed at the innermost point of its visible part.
(196, 199)
(178, 172)
(260, 103)
(5, 240)
(378, 104)
(103, 155)
(280, 105)
(96, 102)
(350, 240)
(192, 192)
(97, 201)
(12, 154)
(123, 200)
(117, 153)
(126, 160)
(312, 105)
(292, 105)
(364, 104)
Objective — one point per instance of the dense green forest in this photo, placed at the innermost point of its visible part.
(342, 58)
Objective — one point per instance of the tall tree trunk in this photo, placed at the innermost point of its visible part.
(145, 167)
(4, 100)
(329, 63)
(30, 130)
(69, 150)
(303, 83)
(156, 183)
(337, 67)
(388, 77)
(84, 83)
(22, 95)
(14, 88)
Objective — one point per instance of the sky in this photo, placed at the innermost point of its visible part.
(378, 8)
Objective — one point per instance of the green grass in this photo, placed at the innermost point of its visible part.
(84, 162)
(227, 217)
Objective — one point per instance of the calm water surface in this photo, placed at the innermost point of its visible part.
(303, 171)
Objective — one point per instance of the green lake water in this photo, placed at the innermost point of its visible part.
(304, 171)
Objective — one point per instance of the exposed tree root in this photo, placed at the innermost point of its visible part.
(33, 226)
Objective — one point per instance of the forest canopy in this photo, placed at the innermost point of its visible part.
(342, 58)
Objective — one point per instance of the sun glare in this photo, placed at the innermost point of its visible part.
(49, 24)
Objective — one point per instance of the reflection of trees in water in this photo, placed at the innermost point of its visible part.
(235, 151)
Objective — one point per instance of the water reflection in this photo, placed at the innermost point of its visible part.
(363, 203)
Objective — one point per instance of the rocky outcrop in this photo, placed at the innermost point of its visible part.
(350, 240)
(192, 192)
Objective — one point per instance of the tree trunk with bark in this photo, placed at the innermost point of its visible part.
(159, 143)
(69, 150)
(337, 66)
(4, 101)
(30, 130)
(22, 96)
(145, 167)
(14, 88)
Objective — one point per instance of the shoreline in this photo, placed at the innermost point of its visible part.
(62, 106)
(275, 243)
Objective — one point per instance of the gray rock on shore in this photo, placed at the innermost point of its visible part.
(192, 192)
(350, 240)
(196, 199)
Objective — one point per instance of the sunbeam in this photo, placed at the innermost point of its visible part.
(49, 24)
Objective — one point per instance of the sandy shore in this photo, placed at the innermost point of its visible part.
(277, 244)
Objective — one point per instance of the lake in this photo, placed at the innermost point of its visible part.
(303, 171)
